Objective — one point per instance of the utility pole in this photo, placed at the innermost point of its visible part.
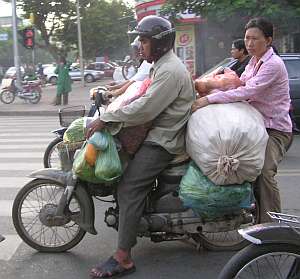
(15, 42)
(80, 44)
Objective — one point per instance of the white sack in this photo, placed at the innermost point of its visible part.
(227, 142)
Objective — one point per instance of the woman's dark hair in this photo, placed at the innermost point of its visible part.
(262, 24)
(240, 44)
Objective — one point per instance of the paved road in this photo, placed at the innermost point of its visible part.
(22, 143)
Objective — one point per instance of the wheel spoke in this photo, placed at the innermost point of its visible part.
(34, 209)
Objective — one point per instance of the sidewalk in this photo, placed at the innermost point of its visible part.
(78, 96)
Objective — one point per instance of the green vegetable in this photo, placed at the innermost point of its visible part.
(75, 132)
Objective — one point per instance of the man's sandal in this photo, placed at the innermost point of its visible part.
(110, 269)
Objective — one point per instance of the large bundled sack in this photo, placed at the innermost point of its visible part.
(227, 142)
(209, 200)
(226, 81)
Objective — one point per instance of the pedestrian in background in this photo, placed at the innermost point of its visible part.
(63, 82)
(239, 52)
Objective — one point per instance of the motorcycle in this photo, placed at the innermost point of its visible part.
(30, 91)
(53, 212)
(274, 251)
(66, 116)
(2, 238)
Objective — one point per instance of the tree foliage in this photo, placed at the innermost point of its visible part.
(56, 22)
(285, 14)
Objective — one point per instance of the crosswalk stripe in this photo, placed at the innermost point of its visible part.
(24, 146)
(18, 134)
(20, 166)
(9, 246)
(24, 140)
(14, 182)
(22, 155)
(6, 208)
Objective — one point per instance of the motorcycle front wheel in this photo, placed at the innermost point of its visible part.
(51, 155)
(33, 211)
(268, 261)
(37, 97)
(7, 97)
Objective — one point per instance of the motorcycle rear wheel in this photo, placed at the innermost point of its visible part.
(227, 240)
(263, 261)
(51, 155)
(32, 209)
(37, 98)
(7, 97)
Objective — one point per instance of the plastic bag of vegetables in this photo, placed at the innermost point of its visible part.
(83, 169)
(209, 200)
(108, 165)
(76, 131)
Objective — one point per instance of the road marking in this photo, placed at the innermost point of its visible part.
(9, 246)
(18, 134)
(21, 166)
(6, 208)
(14, 182)
(19, 155)
(23, 146)
(20, 140)
(289, 170)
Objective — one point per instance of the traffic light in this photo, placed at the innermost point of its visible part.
(28, 38)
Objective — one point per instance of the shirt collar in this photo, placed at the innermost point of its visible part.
(265, 57)
(163, 59)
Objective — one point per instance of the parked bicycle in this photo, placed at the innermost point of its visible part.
(274, 251)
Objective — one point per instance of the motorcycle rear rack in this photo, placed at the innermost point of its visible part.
(285, 218)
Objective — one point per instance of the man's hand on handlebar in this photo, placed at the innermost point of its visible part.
(96, 125)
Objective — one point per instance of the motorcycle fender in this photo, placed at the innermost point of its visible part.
(60, 132)
(87, 217)
(271, 233)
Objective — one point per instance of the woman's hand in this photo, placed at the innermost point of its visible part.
(96, 125)
(200, 103)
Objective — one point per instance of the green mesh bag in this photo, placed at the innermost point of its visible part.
(209, 200)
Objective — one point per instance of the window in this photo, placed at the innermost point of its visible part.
(293, 68)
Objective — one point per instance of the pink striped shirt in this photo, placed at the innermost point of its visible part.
(266, 88)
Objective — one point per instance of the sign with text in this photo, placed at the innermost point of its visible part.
(185, 46)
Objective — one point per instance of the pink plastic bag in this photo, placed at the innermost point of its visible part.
(226, 81)
(133, 92)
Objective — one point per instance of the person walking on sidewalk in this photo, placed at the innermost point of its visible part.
(63, 82)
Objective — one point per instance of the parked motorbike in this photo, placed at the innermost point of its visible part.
(274, 251)
(30, 91)
(57, 218)
(1, 238)
(66, 116)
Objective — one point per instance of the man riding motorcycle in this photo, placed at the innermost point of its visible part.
(167, 104)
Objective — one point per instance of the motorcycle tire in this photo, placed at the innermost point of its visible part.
(226, 240)
(37, 98)
(33, 207)
(51, 150)
(7, 97)
(263, 261)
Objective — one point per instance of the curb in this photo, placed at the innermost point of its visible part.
(29, 113)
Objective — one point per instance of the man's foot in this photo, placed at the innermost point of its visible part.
(112, 268)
